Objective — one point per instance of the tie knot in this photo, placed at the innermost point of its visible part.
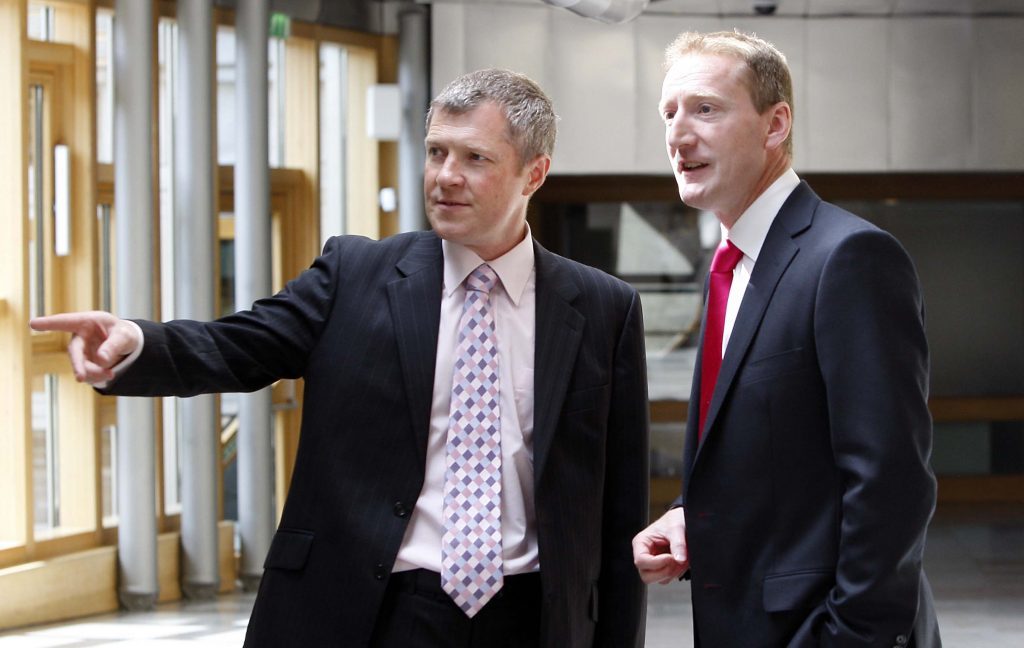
(726, 257)
(482, 279)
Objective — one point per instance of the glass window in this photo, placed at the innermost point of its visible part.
(36, 184)
(41, 20)
(108, 474)
(226, 54)
(104, 86)
(333, 144)
(45, 454)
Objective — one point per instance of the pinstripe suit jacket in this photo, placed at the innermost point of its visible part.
(360, 326)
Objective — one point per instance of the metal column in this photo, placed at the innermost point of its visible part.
(256, 512)
(414, 89)
(194, 236)
(133, 197)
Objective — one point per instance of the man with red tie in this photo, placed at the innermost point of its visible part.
(806, 488)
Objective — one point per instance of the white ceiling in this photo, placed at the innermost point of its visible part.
(814, 7)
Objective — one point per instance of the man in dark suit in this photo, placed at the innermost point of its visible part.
(367, 552)
(806, 487)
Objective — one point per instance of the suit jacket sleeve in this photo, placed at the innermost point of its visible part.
(621, 616)
(241, 352)
(869, 332)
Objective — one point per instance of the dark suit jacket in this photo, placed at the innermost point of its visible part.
(809, 494)
(360, 326)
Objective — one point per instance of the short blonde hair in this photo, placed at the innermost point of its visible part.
(768, 78)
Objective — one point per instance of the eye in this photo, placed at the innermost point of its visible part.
(705, 109)
(668, 115)
(476, 157)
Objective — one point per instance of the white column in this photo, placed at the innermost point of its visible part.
(195, 273)
(133, 198)
(414, 89)
(256, 512)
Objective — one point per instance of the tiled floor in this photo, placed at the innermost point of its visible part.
(975, 560)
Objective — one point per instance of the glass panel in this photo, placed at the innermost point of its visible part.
(227, 276)
(970, 258)
(276, 103)
(40, 21)
(103, 216)
(36, 252)
(45, 467)
(172, 462)
(108, 473)
(333, 118)
(225, 95)
(104, 86)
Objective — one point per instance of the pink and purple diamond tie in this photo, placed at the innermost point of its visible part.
(471, 547)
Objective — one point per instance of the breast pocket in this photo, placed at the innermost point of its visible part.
(775, 365)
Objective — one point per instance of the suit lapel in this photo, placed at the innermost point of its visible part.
(559, 330)
(776, 254)
(415, 301)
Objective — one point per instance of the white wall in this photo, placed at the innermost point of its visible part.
(871, 94)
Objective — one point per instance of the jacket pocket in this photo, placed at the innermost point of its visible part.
(774, 365)
(289, 549)
(796, 590)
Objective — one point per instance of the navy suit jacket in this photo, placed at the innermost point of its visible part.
(360, 327)
(808, 495)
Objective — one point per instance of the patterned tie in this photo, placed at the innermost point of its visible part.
(726, 257)
(471, 547)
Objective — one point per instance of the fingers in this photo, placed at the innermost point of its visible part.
(659, 551)
(99, 341)
(66, 322)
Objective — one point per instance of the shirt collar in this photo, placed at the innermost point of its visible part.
(751, 228)
(513, 268)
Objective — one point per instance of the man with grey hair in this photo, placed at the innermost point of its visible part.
(806, 489)
(473, 457)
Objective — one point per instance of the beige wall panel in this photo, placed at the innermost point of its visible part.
(998, 94)
(14, 333)
(39, 592)
(448, 43)
(848, 94)
(592, 81)
(168, 562)
(522, 43)
(929, 94)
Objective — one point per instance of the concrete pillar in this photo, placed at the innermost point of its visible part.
(414, 90)
(133, 198)
(194, 237)
(256, 511)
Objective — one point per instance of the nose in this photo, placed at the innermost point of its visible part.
(678, 134)
(450, 173)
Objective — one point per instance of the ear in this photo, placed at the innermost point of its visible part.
(780, 122)
(537, 172)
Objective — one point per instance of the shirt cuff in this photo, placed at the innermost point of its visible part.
(128, 360)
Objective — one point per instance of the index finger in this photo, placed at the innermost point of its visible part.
(67, 322)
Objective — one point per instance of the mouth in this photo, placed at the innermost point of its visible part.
(687, 167)
(446, 203)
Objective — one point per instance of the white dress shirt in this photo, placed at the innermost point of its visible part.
(514, 302)
(748, 234)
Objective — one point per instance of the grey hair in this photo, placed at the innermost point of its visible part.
(528, 111)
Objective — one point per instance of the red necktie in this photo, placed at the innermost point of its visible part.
(726, 257)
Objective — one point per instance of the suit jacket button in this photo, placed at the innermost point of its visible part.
(379, 572)
(400, 510)
(901, 640)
